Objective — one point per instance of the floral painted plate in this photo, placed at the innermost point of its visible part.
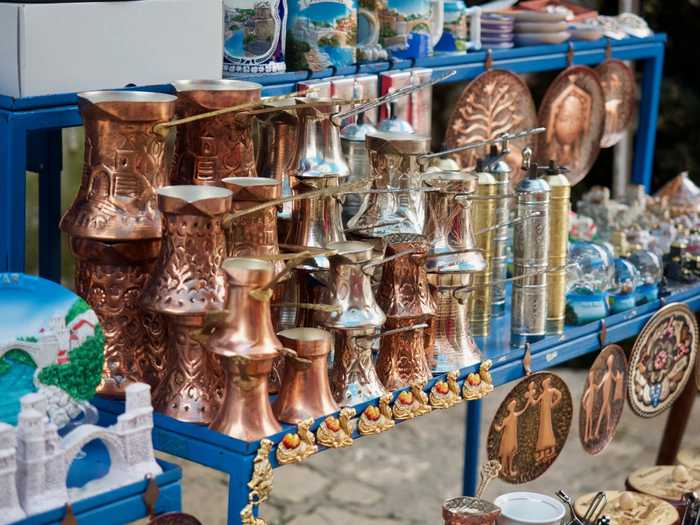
(50, 342)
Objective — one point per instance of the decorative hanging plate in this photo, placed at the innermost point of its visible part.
(619, 88)
(662, 360)
(494, 103)
(665, 482)
(603, 399)
(530, 427)
(630, 508)
(44, 326)
(573, 111)
(175, 518)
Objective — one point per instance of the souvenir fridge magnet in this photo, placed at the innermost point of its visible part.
(603, 399)
(50, 342)
(530, 427)
(573, 111)
(661, 361)
(494, 103)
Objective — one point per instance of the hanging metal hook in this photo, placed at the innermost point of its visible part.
(570, 55)
(608, 49)
(488, 63)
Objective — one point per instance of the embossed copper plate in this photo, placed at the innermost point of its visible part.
(662, 360)
(573, 111)
(175, 518)
(493, 103)
(530, 427)
(603, 399)
(639, 509)
(663, 482)
(619, 88)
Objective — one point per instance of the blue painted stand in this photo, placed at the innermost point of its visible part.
(30, 128)
(235, 457)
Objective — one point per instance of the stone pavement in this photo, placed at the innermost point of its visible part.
(402, 476)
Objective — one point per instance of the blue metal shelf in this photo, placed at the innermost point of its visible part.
(233, 456)
(116, 507)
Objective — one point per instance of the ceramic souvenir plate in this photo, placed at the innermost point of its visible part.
(530, 427)
(603, 399)
(619, 87)
(662, 359)
(573, 112)
(51, 341)
(643, 509)
(494, 103)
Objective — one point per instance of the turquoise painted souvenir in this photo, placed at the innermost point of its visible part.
(647, 293)
(50, 341)
(582, 308)
(254, 36)
(321, 34)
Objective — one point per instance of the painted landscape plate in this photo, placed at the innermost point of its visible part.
(51, 342)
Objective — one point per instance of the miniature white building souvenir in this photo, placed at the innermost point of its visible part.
(46, 330)
(34, 463)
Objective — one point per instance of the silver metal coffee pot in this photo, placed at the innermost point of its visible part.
(352, 138)
(530, 256)
(396, 203)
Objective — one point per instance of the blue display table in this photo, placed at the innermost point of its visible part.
(235, 457)
(30, 128)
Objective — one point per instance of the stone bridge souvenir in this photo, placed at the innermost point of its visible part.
(603, 399)
(661, 361)
(246, 345)
(619, 87)
(305, 390)
(321, 34)
(115, 227)
(665, 482)
(49, 332)
(530, 256)
(254, 36)
(530, 427)
(573, 111)
(187, 284)
(631, 508)
(212, 149)
(494, 103)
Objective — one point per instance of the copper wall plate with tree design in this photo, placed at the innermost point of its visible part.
(662, 359)
(530, 427)
(494, 103)
(573, 111)
(603, 399)
(619, 89)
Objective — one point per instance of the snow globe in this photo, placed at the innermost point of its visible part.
(625, 281)
(589, 276)
(651, 271)
(51, 343)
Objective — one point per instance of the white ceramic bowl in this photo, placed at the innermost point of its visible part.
(529, 508)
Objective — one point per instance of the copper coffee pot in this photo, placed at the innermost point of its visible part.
(189, 283)
(305, 392)
(354, 378)
(247, 345)
(404, 296)
(115, 228)
(212, 149)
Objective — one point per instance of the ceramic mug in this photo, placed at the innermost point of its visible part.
(408, 28)
(529, 508)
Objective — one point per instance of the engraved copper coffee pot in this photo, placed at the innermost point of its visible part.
(396, 205)
(247, 345)
(306, 391)
(115, 228)
(453, 262)
(189, 283)
(208, 150)
(404, 296)
(353, 378)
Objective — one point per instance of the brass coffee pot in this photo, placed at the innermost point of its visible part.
(209, 150)
(189, 283)
(247, 345)
(115, 228)
(404, 296)
(305, 391)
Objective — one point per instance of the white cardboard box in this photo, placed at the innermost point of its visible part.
(63, 48)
